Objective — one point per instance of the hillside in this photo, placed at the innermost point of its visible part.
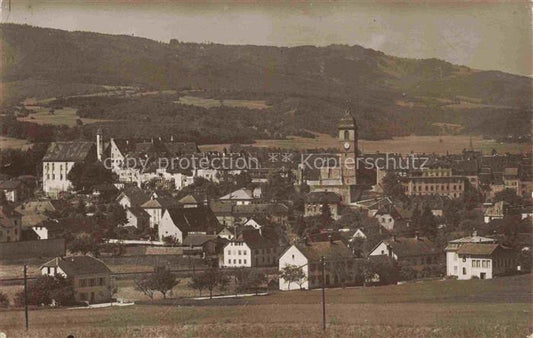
(392, 93)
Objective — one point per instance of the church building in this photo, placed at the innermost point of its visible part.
(335, 172)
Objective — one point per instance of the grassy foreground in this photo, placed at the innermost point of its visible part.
(477, 308)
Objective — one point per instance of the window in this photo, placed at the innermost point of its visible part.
(239, 252)
(101, 281)
(245, 261)
(292, 256)
(83, 282)
(91, 282)
(229, 261)
(240, 261)
(464, 271)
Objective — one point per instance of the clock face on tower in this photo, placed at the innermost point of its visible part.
(346, 145)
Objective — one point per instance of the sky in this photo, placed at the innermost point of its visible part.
(483, 35)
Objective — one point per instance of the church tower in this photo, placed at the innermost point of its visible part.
(348, 148)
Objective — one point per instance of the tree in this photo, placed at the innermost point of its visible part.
(144, 285)
(163, 280)
(392, 186)
(84, 243)
(406, 272)
(210, 279)
(249, 279)
(84, 176)
(48, 289)
(197, 283)
(292, 274)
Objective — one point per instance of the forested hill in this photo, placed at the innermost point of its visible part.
(307, 87)
(82, 57)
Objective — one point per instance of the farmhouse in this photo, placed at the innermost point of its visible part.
(478, 257)
(90, 276)
(340, 264)
(178, 223)
(418, 252)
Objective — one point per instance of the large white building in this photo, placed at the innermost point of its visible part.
(340, 264)
(478, 257)
(251, 249)
(59, 160)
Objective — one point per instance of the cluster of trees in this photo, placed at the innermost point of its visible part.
(210, 280)
(162, 280)
(48, 290)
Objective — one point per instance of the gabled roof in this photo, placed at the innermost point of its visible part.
(36, 207)
(161, 202)
(256, 240)
(135, 194)
(78, 265)
(198, 240)
(194, 219)
(241, 194)
(406, 246)
(313, 251)
(139, 212)
(189, 199)
(477, 249)
(473, 239)
(68, 151)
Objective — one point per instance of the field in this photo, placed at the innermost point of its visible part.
(403, 145)
(476, 308)
(66, 116)
(208, 103)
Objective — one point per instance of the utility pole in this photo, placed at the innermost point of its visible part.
(26, 295)
(323, 261)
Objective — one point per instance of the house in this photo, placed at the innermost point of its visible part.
(181, 222)
(387, 216)
(191, 201)
(132, 196)
(241, 196)
(478, 257)
(206, 245)
(90, 276)
(340, 264)
(10, 225)
(229, 214)
(316, 200)
(13, 190)
(137, 218)
(252, 248)
(418, 252)
(59, 159)
(226, 233)
(156, 206)
(493, 211)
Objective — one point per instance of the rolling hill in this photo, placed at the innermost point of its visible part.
(392, 93)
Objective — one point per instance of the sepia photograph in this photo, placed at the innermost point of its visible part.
(266, 168)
